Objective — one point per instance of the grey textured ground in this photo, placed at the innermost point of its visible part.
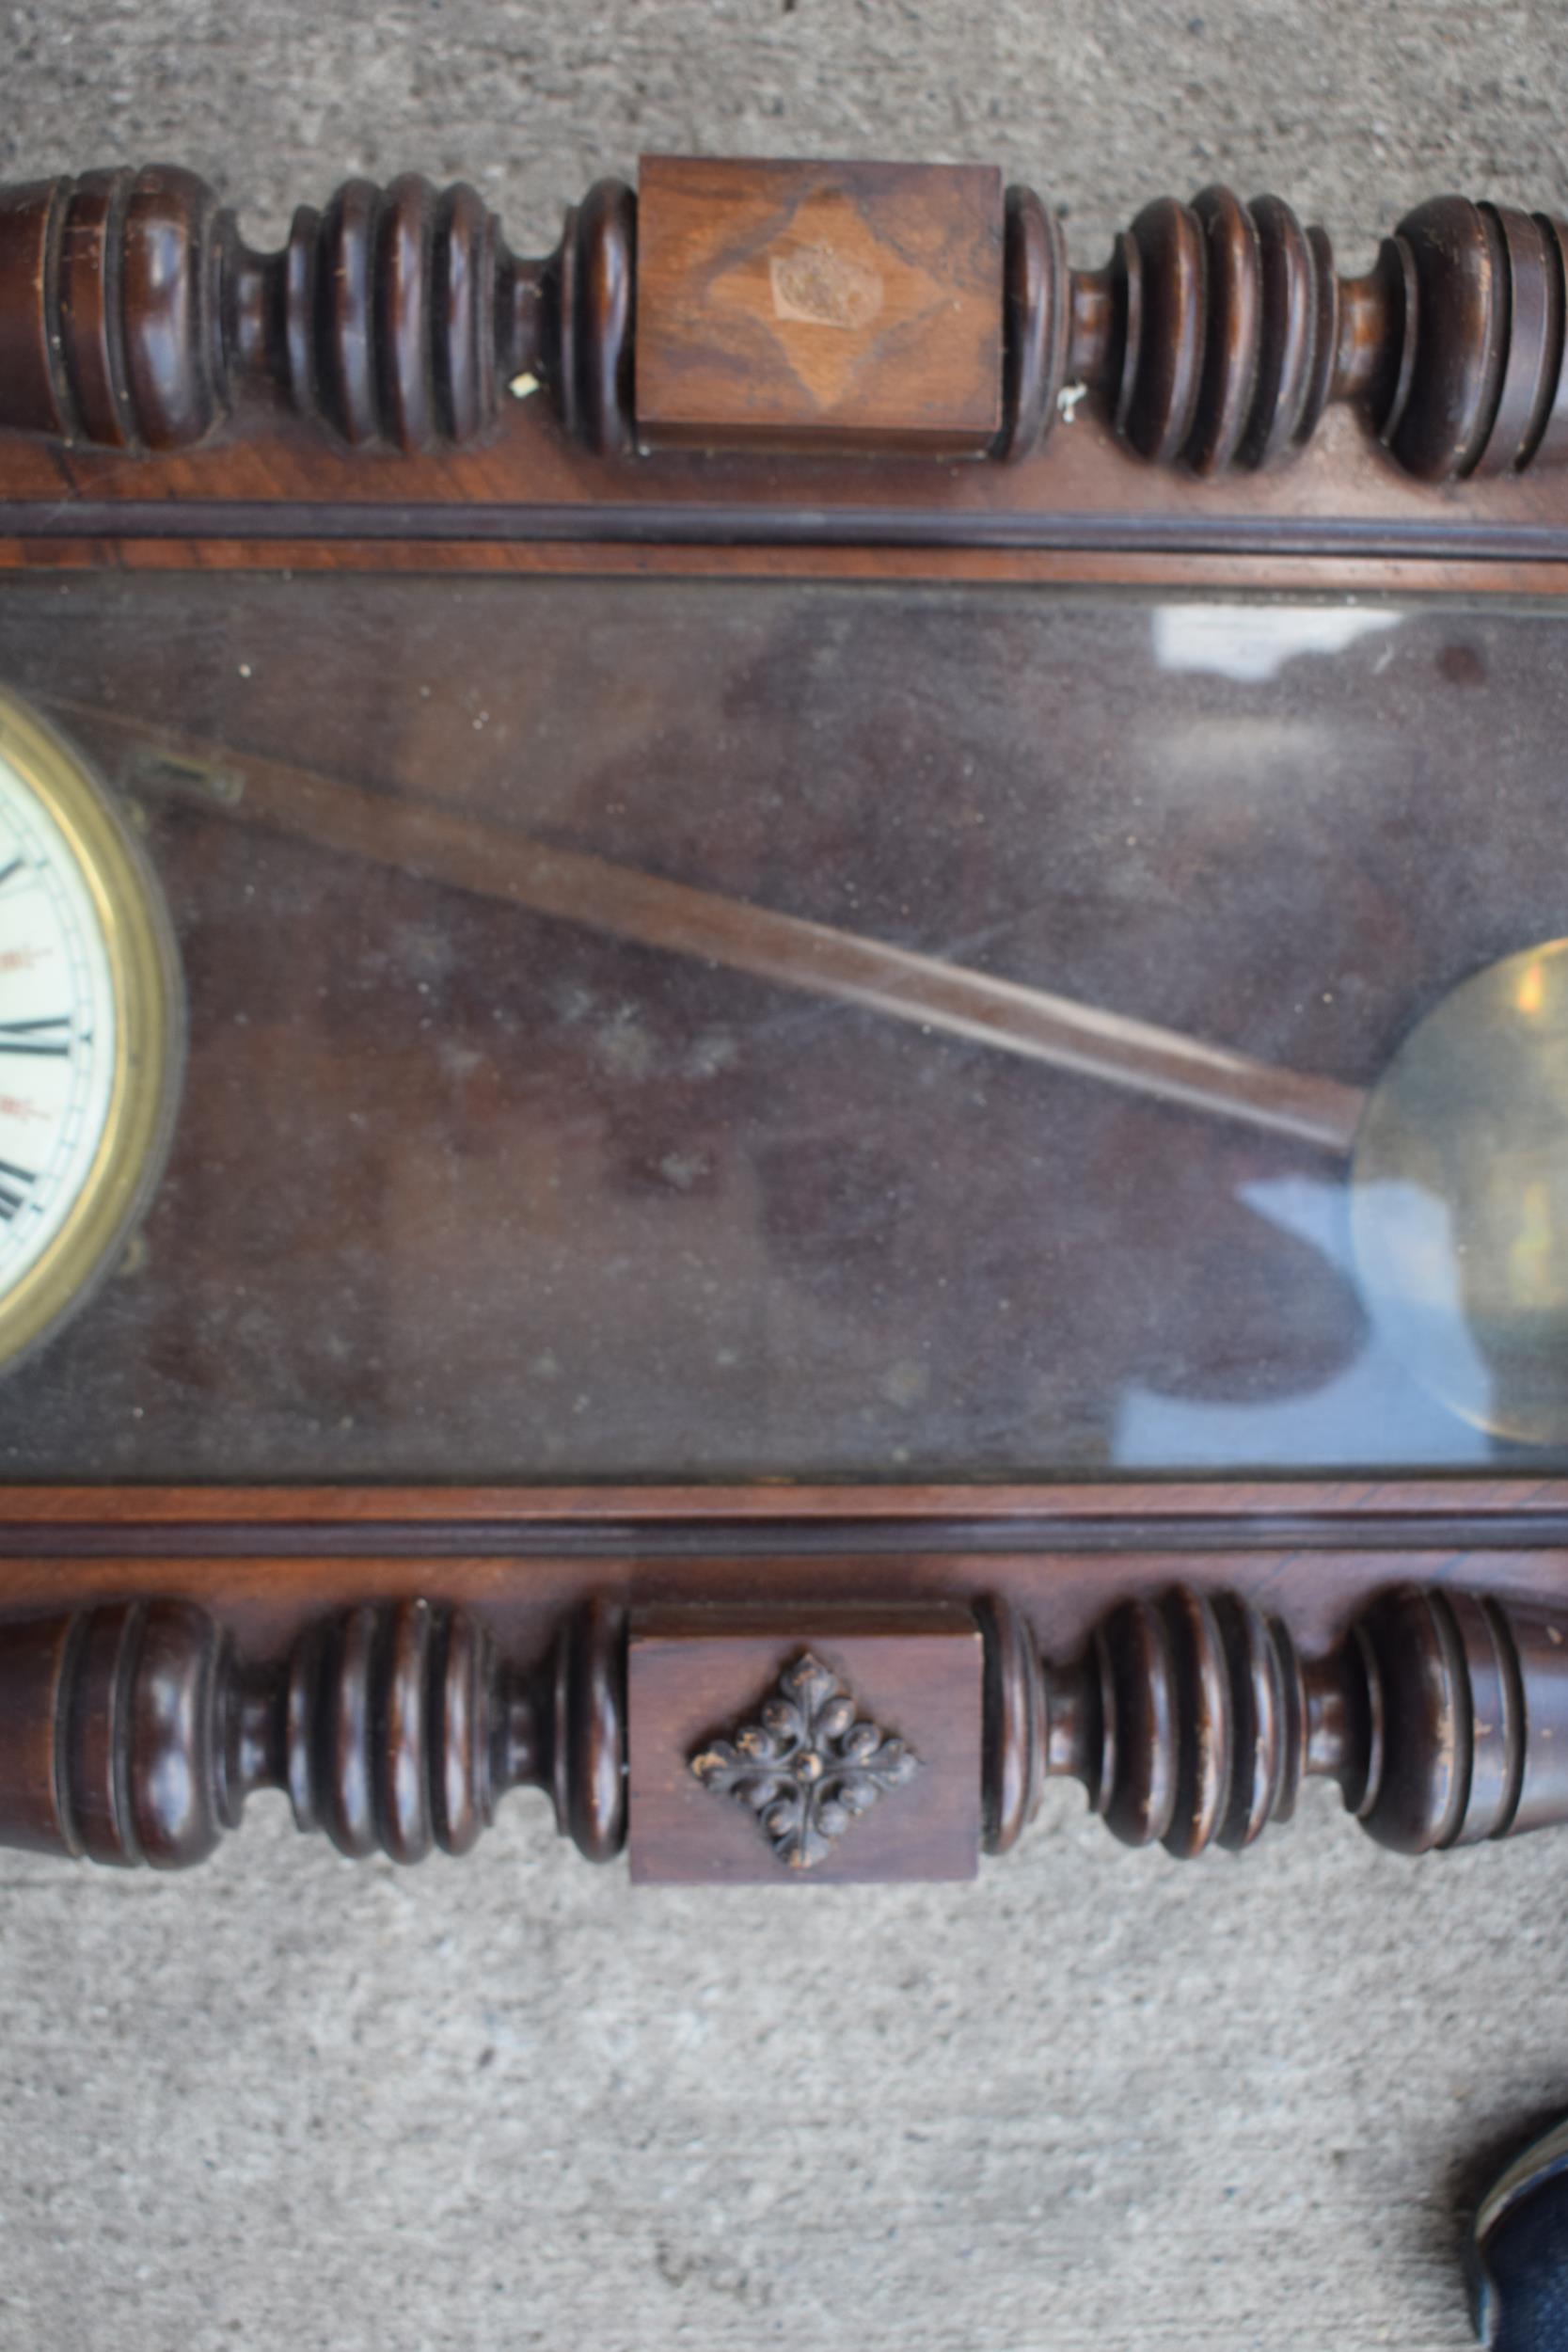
(1097, 2100)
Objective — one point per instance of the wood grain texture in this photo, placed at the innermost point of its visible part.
(696, 1673)
(133, 315)
(133, 1734)
(493, 556)
(1342, 515)
(819, 306)
(1191, 1720)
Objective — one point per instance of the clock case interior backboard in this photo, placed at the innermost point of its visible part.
(459, 1191)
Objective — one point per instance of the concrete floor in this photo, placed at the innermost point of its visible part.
(1095, 2100)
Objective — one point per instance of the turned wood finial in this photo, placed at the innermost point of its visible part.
(1192, 1720)
(132, 1734)
(133, 316)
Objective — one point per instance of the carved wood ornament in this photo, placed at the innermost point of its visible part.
(133, 316)
(809, 1765)
(134, 1732)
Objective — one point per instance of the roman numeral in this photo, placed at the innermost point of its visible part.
(11, 1177)
(15, 867)
(37, 1036)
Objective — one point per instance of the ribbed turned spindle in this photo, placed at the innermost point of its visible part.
(133, 1735)
(1191, 1720)
(1218, 332)
(131, 313)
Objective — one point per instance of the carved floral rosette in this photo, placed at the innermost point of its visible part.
(809, 1765)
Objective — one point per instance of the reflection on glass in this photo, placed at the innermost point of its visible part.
(1458, 1154)
(787, 1031)
(1375, 1390)
(1252, 642)
(1459, 1197)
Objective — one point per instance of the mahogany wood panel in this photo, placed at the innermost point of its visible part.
(1341, 513)
(1218, 576)
(824, 306)
(268, 1558)
(697, 1671)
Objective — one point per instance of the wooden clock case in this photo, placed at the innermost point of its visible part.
(808, 379)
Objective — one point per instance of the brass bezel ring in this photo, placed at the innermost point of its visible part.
(149, 1033)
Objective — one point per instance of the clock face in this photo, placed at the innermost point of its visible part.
(89, 1030)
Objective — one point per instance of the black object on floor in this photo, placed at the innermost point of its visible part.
(1517, 2254)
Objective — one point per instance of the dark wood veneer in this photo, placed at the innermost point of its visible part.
(812, 306)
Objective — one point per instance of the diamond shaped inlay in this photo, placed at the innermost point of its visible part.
(808, 1766)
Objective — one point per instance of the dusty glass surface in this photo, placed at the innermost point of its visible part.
(521, 1139)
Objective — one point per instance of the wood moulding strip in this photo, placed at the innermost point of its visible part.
(1431, 1515)
(722, 524)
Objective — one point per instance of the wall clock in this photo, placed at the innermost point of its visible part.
(782, 1027)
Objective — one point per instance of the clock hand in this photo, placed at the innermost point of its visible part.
(421, 838)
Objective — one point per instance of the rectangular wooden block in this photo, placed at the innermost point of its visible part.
(819, 306)
(699, 1676)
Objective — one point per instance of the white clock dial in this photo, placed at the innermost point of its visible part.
(57, 1024)
(89, 1029)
